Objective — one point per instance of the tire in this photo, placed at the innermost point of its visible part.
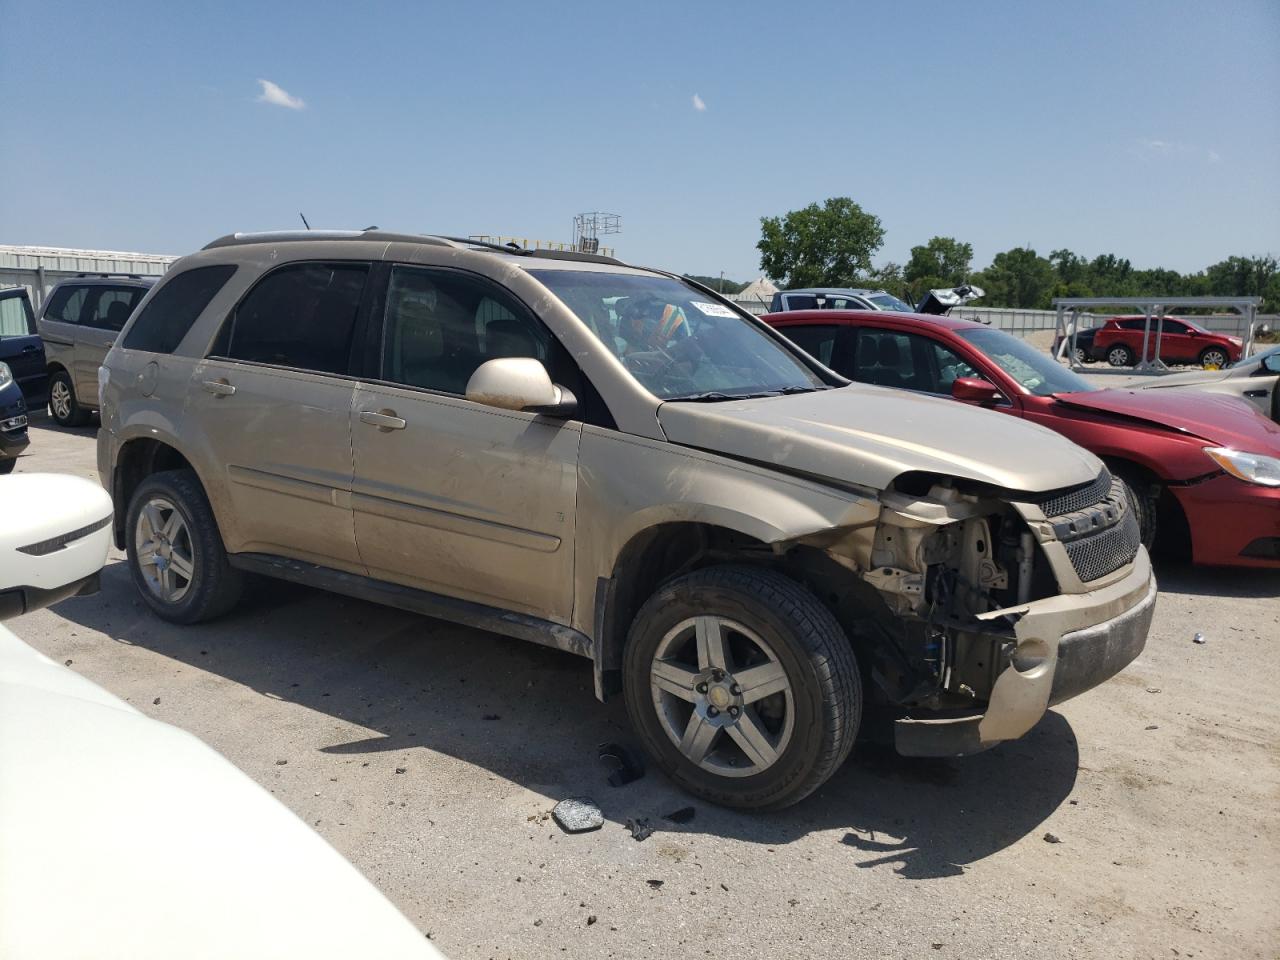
(1214, 358)
(1120, 356)
(1144, 498)
(809, 695)
(212, 585)
(63, 406)
(7, 464)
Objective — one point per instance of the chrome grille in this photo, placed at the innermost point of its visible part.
(1062, 502)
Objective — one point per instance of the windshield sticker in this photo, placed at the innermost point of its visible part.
(713, 309)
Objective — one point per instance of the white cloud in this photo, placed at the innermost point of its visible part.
(1157, 145)
(1214, 156)
(274, 94)
(698, 104)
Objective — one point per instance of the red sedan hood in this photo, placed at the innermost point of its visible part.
(1223, 421)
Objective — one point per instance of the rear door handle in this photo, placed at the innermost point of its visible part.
(384, 420)
(219, 388)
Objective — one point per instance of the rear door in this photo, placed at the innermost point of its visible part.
(20, 346)
(456, 497)
(271, 404)
(102, 317)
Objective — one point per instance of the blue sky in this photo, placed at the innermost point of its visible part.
(1151, 130)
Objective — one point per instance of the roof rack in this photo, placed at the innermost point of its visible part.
(99, 273)
(383, 236)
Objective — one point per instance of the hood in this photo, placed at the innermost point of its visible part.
(868, 435)
(1185, 379)
(1222, 421)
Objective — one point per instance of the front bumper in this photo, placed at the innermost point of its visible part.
(13, 422)
(1074, 642)
(1228, 517)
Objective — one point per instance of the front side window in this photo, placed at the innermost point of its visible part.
(15, 317)
(302, 316)
(66, 304)
(164, 321)
(1036, 372)
(440, 326)
(675, 342)
(112, 307)
(802, 301)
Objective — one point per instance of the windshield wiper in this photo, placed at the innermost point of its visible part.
(715, 396)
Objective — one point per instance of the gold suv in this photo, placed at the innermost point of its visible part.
(618, 463)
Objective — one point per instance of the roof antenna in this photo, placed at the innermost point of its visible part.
(304, 222)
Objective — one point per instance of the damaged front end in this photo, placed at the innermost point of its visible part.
(983, 608)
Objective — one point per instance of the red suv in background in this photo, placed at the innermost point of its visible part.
(1204, 470)
(1119, 341)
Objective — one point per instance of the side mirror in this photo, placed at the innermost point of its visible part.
(54, 533)
(520, 383)
(1271, 364)
(973, 390)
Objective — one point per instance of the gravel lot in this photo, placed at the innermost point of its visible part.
(430, 756)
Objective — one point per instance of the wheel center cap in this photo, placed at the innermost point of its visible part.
(719, 697)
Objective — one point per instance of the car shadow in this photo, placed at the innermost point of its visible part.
(528, 714)
(1243, 582)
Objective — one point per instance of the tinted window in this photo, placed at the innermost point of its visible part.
(66, 304)
(818, 342)
(15, 317)
(893, 359)
(441, 326)
(802, 301)
(1174, 326)
(299, 316)
(164, 321)
(111, 306)
(1138, 323)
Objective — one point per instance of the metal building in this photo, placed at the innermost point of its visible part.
(39, 268)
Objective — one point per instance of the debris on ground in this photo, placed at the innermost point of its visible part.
(1152, 727)
(1050, 838)
(627, 765)
(70, 662)
(656, 884)
(155, 702)
(492, 716)
(1153, 689)
(683, 815)
(1199, 638)
(281, 763)
(640, 828)
(591, 919)
(577, 815)
(724, 887)
(400, 769)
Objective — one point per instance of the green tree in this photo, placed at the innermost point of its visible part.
(942, 258)
(820, 246)
(725, 286)
(1018, 278)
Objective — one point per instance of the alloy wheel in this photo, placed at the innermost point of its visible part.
(165, 553)
(722, 696)
(60, 399)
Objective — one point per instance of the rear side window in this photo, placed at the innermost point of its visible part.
(818, 342)
(802, 301)
(66, 304)
(298, 316)
(164, 321)
(15, 317)
(112, 306)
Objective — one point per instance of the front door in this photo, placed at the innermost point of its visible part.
(272, 407)
(452, 496)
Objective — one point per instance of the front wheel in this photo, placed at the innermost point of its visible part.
(1214, 358)
(63, 406)
(742, 686)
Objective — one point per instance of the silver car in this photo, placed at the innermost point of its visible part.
(618, 463)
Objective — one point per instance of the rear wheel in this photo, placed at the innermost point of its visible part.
(742, 686)
(63, 406)
(1214, 358)
(176, 555)
(1120, 356)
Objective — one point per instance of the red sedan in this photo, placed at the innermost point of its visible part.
(1182, 340)
(1204, 470)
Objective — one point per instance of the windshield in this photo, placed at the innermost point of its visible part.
(675, 340)
(1037, 372)
(887, 301)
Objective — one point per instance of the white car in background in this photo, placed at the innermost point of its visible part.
(1255, 378)
(123, 837)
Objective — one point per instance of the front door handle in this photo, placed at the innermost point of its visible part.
(1259, 394)
(384, 420)
(219, 388)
